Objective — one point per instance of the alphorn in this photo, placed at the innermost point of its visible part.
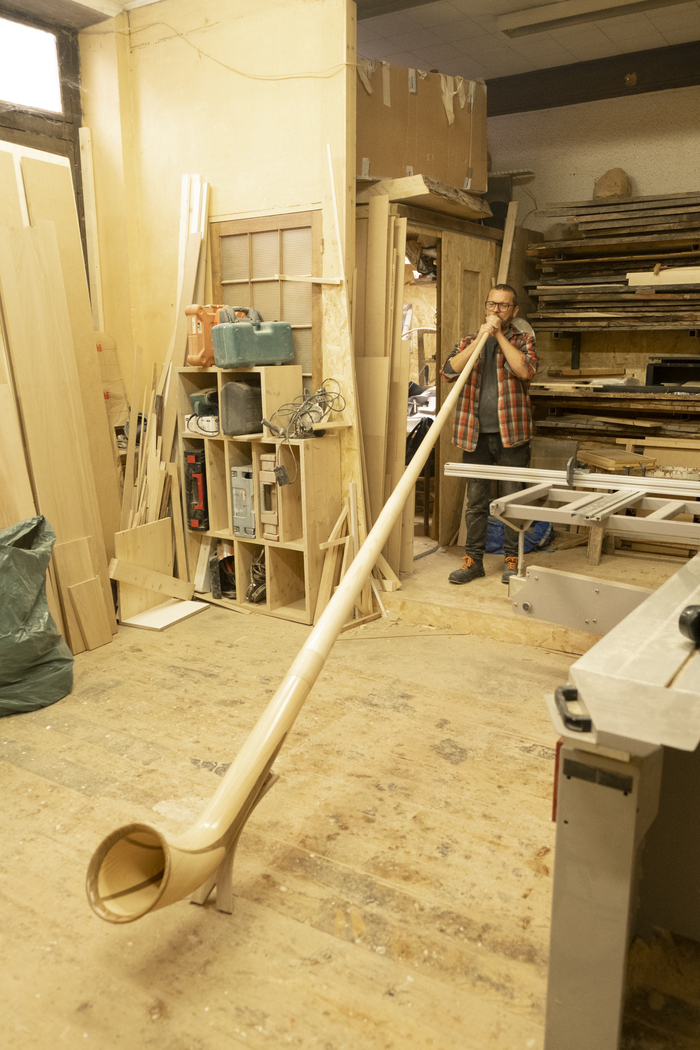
(136, 869)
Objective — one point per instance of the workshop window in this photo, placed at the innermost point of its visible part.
(29, 68)
(251, 259)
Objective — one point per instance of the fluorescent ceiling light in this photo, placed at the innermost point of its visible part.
(572, 13)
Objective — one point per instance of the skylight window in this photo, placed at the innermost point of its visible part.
(29, 75)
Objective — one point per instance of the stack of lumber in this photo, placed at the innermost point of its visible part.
(382, 366)
(631, 263)
(151, 478)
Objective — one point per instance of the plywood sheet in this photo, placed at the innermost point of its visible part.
(165, 615)
(73, 566)
(150, 546)
(86, 600)
(47, 386)
(50, 196)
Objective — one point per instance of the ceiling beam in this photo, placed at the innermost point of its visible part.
(637, 73)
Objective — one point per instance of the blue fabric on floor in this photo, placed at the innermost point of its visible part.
(537, 537)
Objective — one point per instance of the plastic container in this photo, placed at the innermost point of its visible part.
(243, 344)
(240, 408)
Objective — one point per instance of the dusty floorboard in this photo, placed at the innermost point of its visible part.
(392, 890)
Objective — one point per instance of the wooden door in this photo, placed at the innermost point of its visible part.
(466, 268)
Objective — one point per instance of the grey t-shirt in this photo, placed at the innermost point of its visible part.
(488, 392)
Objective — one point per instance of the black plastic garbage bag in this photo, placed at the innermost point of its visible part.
(36, 665)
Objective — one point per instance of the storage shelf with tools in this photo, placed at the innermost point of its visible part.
(279, 526)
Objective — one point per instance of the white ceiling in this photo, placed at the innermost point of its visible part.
(460, 37)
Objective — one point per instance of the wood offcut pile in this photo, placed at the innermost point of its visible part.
(614, 270)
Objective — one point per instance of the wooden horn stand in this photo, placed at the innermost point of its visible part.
(136, 870)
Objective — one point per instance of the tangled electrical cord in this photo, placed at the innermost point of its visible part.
(297, 418)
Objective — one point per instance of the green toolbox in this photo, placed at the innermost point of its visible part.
(243, 344)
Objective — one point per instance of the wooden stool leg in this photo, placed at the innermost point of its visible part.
(223, 876)
(595, 544)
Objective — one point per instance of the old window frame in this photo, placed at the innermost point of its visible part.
(263, 224)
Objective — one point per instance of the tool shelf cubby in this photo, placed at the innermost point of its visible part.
(305, 510)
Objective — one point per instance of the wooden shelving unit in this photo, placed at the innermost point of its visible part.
(307, 508)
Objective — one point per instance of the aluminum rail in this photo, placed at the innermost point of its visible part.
(579, 478)
(136, 869)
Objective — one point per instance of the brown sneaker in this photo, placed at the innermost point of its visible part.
(471, 570)
(511, 569)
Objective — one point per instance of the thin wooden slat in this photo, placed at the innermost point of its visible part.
(86, 599)
(507, 246)
(178, 526)
(139, 576)
(128, 497)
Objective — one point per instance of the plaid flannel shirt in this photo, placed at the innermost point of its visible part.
(514, 416)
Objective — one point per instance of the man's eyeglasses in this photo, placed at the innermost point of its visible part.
(490, 305)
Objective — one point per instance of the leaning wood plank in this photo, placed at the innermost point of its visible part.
(48, 389)
(86, 599)
(507, 246)
(390, 577)
(375, 295)
(165, 615)
(138, 576)
(178, 526)
(373, 397)
(73, 565)
(50, 197)
(17, 500)
(151, 547)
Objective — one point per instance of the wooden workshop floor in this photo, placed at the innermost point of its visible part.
(392, 890)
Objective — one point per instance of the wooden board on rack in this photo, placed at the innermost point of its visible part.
(398, 396)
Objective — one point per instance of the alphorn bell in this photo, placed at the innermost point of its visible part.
(136, 869)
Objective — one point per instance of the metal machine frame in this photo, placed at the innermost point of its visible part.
(628, 813)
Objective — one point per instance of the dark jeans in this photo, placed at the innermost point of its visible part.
(489, 449)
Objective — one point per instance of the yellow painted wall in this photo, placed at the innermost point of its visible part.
(247, 95)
